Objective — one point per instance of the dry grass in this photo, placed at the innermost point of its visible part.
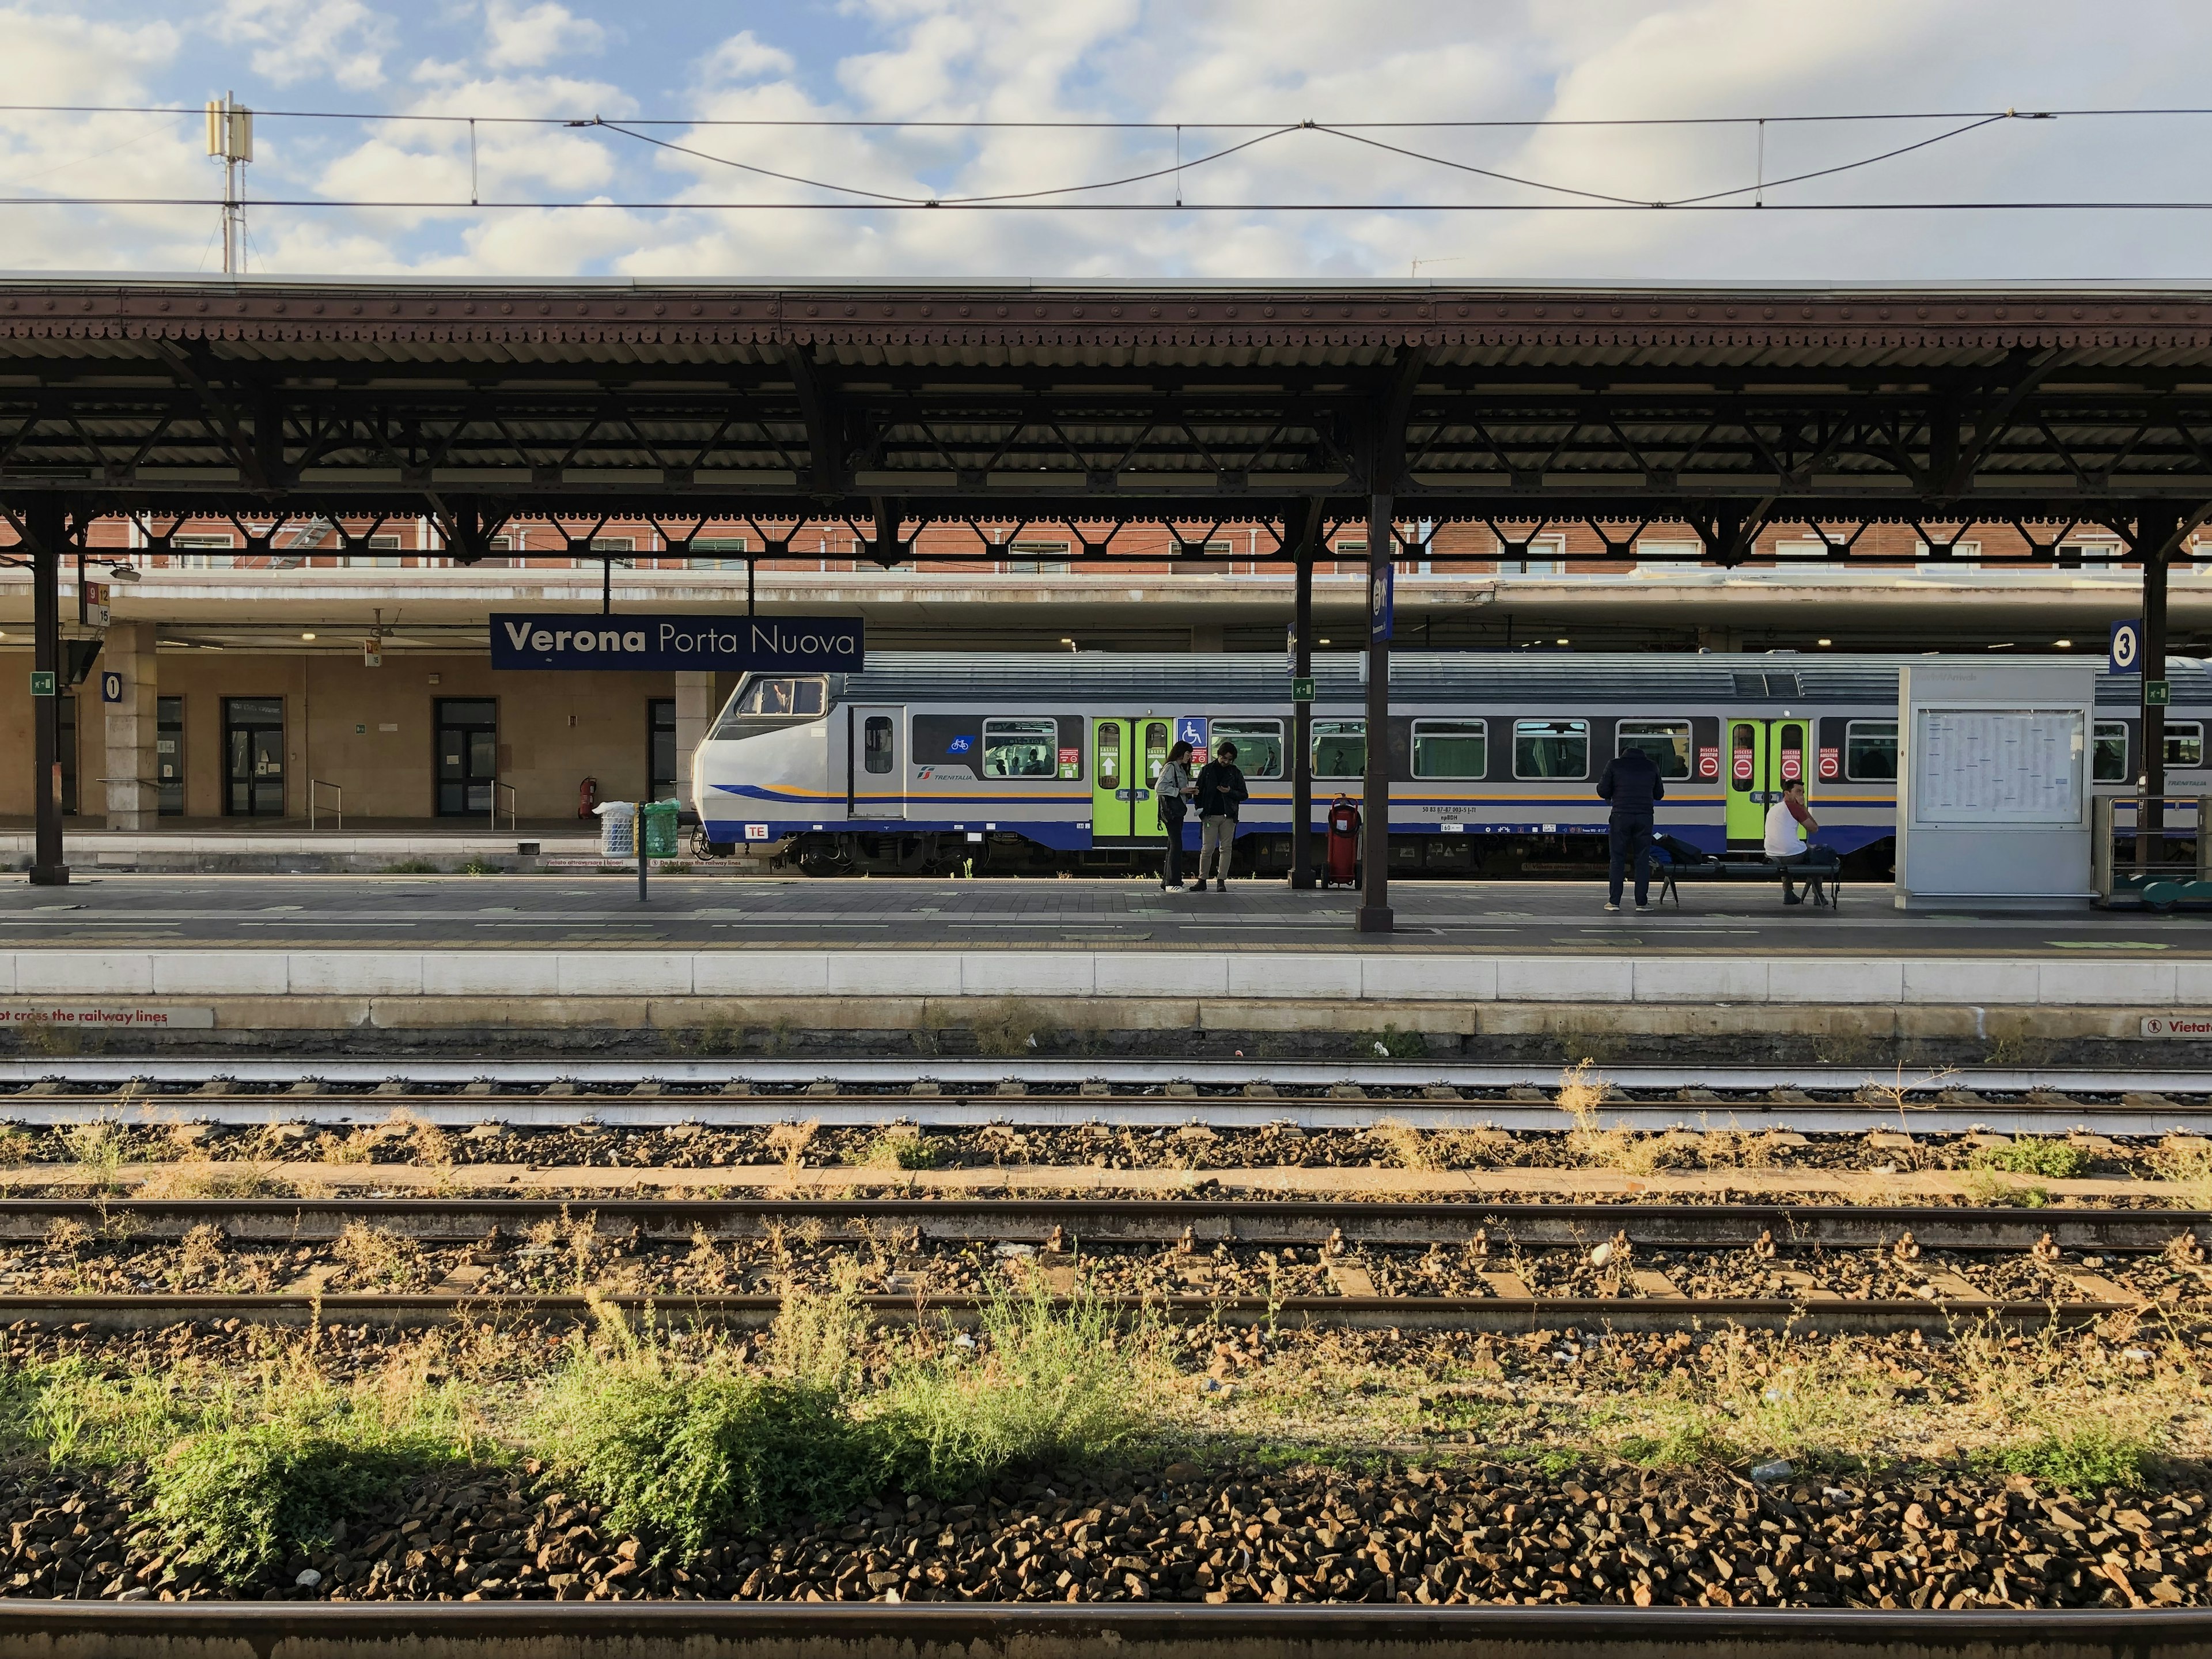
(372, 1256)
(1436, 1149)
(1740, 1148)
(203, 1252)
(1582, 1092)
(203, 1177)
(789, 1142)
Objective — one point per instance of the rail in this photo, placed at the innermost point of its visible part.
(1082, 1223)
(713, 1629)
(313, 784)
(514, 800)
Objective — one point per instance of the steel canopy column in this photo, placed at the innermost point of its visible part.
(2150, 831)
(1302, 864)
(1375, 913)
(43, 517)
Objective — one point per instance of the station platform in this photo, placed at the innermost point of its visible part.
(777, 964)
(294, 847)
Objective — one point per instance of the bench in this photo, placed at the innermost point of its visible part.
(1671, 859)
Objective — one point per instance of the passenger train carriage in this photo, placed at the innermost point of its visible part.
(926, 761)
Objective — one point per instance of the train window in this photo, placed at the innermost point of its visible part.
(876, 744)
(1259, 746)
(1156, 751)
(2109, 759)
(1551, 748)
(1108, 760)
(1339, 749)
(2184, 743)
(795, 699)
(1870, 751)
(1451, 749)
(1021, 749)
(1667, 742)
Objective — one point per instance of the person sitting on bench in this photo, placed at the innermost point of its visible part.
(1786, 842)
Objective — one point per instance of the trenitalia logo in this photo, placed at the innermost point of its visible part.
(659, 639)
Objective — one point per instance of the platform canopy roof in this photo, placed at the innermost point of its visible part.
(1101, 405)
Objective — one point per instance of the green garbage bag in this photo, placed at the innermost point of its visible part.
(659, 817)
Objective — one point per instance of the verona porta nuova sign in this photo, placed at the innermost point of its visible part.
(657, 640)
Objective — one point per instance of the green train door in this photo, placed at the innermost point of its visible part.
(1126, 757)
(1762, 756)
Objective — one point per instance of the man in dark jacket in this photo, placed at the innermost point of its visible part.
(1632, 784)
(1221, 791)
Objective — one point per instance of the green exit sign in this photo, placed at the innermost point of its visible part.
(1301, 690)
(2157, 694)
(42, 681)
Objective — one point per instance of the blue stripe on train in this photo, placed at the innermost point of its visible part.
(1067, 836)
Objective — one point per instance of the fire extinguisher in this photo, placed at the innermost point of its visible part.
(588, 797)
(1340, 859)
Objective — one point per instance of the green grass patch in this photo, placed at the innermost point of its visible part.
(679, 1458)
(1047, 1383)
(71, 1413)
(2035, 1155)
(902, 1148)
(240, 1498)
(2087, 1459)
(1392, 1043)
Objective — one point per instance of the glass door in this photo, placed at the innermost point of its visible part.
(1762, 756)
(468, 755)
(1747, 783)
(878, 780)
(253, 754)
(1113, 796)
(169, 756)
(1125, 757)
(660, 749)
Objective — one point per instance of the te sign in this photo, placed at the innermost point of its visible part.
(2127, 647)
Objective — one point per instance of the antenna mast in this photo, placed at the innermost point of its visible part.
(230, 136)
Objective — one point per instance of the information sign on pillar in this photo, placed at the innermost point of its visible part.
(2127, 646)
(1382, 599)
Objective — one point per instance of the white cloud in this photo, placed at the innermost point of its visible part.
(745, 57)
(302, 40)
(527, 37)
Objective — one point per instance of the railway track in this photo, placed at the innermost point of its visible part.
(633, 1630)
(955, 1093)
(1838, 1269)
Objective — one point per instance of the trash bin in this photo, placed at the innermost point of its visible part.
(618, 828)
(660, 817)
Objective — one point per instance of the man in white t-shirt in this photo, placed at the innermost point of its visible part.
(1788, 826)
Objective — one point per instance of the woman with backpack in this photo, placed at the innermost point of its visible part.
(1170, 790)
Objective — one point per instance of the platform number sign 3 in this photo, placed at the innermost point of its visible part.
(2127, 647)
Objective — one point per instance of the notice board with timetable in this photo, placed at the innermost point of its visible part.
(1993, 784)
(1999, 765)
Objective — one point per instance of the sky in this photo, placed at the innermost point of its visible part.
(392, 197)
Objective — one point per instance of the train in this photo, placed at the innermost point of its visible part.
(925, 763)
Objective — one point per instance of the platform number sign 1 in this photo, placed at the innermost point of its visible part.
(111, 686)
(2127, 647)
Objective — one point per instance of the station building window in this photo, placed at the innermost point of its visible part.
(376, 558)
(1021, 749)
(169, 756)
(1870, 751)
(2108, 756)
(1551, 748)
(253, 757)
(1451, 749)
(1259, 746)
(712, 552)
(1034, 558)
(1660, 558)
(1339, 749)
(1666, 743)
(189, 550)
(660, 749)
